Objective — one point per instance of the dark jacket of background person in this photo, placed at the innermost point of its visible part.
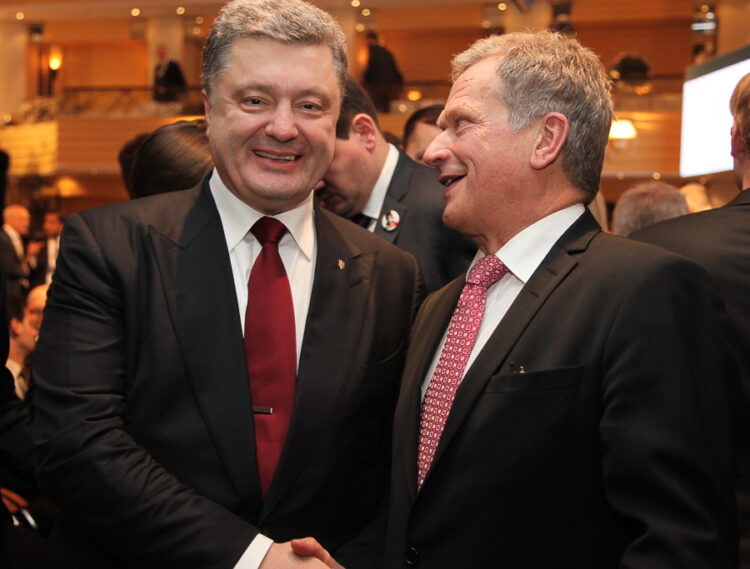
(4, 166)
(169, 83)
(381, 78)
(719, 239)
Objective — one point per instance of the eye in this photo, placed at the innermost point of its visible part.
(460, 122)
(311, 106)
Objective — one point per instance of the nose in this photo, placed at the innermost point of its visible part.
(282, 125)
(437, 151)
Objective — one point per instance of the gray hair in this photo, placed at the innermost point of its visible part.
(291, 22)
(645, 204)
(546, 72)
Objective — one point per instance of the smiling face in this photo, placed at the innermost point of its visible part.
(271, 121)
(483, 163)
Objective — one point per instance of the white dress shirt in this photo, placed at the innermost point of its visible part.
(377, 196)
(53, 246)
(297, 249)
(16, 239)
(522, 254)
(16, 369)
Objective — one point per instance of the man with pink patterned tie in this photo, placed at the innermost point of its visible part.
(570, 403)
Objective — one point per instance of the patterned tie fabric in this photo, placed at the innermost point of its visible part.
(462, 332)
(270, 346)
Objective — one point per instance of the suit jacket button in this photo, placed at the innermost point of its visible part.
(412, 556)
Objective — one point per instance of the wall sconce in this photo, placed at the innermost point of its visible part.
(622, 140)
(55, 58)
(622, 129)
(414, 95)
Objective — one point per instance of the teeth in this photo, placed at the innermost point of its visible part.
(449, 181)
(289, 158)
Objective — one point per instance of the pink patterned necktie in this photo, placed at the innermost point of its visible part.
(462, 332)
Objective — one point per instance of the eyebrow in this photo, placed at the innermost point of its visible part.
(267, 89)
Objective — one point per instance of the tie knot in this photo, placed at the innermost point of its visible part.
(268, 230)
(487, 271)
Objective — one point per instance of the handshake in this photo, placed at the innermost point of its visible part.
(305, 552)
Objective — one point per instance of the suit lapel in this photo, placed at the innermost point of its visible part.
(743, 198)
(343, 276)
(556, 266)
(397, 189)
(202, 302)
(425, 340)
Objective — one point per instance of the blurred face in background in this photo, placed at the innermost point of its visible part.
(52, 225)
(423, 134)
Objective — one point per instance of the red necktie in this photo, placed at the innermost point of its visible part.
(271, 349)
(462, 332)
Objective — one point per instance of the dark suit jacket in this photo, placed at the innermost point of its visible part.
(143, 423)
(613, 449)
(38, 274)
(171, 84)
(417, 196)
(719, 240)
(15, 276)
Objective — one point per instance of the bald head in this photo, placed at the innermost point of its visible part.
(17, 217)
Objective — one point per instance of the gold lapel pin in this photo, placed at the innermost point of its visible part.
(341, 264)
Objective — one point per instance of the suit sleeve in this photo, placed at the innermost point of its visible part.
(110, 489)
(668, 425)
(366, 550)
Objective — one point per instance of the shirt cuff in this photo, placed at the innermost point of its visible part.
(255, 553)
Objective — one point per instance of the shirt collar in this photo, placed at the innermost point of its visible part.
(11, 232)
(377, 196)
(237, 217)
(526, 250)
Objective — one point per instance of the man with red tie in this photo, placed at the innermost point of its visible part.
(217, 368)
(570, 403)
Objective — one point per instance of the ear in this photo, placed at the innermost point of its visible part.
(206, 109)
(15, 327)
(364, 130)
(738, 145)
(550, 139)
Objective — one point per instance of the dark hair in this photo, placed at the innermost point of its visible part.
(427, 115)
(173, 157)
(356, 100)
(15, 309)
(127, 154)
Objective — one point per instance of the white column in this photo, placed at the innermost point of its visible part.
(347, 19)
(13, 38)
